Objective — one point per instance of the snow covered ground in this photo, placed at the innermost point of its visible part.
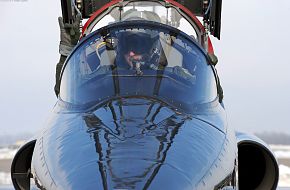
(5, 179)
(280, 151)
(284, 180)
(7, 153)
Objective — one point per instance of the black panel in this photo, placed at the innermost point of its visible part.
(196, 7)
(215, 18)
(67, 13)
(90, 6)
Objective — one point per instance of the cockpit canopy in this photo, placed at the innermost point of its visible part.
(170, 12)
(138, 58)
(152, 10)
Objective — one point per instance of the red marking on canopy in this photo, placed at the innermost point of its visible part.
(183, 8)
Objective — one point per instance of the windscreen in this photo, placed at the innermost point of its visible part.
(138, 59)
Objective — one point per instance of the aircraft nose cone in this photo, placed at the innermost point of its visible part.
(154, 148)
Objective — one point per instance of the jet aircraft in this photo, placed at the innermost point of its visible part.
(141, 107)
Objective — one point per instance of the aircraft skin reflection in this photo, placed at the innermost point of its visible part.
(134, 144)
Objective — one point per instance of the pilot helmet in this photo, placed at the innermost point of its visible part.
(140, 43)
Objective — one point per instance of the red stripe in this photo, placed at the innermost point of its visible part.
(184, 9)
(210, 47)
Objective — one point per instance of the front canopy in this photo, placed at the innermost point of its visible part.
(140, 58)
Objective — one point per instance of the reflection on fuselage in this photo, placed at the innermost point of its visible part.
(143, 140)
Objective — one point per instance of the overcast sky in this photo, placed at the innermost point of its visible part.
(254, 63)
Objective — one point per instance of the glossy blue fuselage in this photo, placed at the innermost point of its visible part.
(146, 130)
(135, 143)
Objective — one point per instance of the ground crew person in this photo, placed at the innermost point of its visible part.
(69, 37)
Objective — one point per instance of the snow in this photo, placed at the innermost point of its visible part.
(282, 154)
(5, 179)
(284, 180)
(281, 151)
(7, 153)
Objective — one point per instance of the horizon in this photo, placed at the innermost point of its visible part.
(276, 138)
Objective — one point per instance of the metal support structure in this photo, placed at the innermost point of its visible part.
(67, 11)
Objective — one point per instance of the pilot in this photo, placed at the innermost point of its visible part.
(69, 36)
(138, 49)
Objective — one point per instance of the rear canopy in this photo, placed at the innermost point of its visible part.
(210, 10)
